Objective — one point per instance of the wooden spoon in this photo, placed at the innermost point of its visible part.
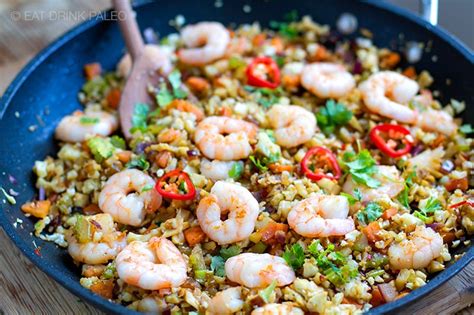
(142, 74)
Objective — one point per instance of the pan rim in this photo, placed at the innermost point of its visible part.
(106, 305)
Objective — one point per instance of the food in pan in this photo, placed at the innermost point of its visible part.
(285, 170)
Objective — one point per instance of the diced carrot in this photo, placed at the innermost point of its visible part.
(168, 135)
(103, 288)
(410, 72)
(347, 300)
(377, 297)
(91, 209)
(198, 85)
(194, 235)
(321, 53)
(438, 141)
(259, 39)
(453, 184)
(291, 82)
(92, 270)
(188, 107)
(279, 168)
(274, 233)
(124, 156)
(390, 60)
(225, 111)
(277, 43)
(389, 213)
(371, 231)
(162, 158)
(402, 294)
(448, 237)
(91, 70)
(113, 98)
(39, 208)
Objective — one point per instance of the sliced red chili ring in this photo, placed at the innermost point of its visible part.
(393, 133)
(462, 203)
(327, 157)
(272, 71)
(175, 194)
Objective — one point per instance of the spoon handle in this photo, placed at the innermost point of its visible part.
(129, 27)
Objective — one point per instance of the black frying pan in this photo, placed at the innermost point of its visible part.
(48, 87)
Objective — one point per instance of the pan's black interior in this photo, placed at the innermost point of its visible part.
(48, 88)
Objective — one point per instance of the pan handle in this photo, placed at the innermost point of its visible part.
(429, 10)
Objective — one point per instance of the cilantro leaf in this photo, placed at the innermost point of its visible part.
(362, 168)
(294, 256)
(313, 248)
(139, 117)
(139, 162)
(403, 198)
(217, 266)
(175, 80)
(101, 148)
(236, 171)
(258, 163)
(334, 265)
(118, 142)
(467, 128)
(164, 96)
(266, 293)
(355, 197)
(286, 29)
(333, 115)
(370, 213)
(230, 251)
(431, 206)
(265, 96)
(85, 120)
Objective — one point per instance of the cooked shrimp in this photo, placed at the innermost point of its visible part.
(277, 309)
(152, 265)
(226, 302)
(161, 60)
(123, 197)
(242, 209)
(391, 184)
(437, 120)
(387, 92)
(213, 35)
(80, 125)
(224, 138)
(218, 170)
(258, 270)
(321, 216)
(103, 244)
(293, 124)
(417, 251)
(327, 80)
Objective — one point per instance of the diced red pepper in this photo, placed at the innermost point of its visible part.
(393, 133)
(163, 187)
(271, 71)
(315, 171)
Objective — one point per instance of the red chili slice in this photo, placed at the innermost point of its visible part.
(327, 157)
(272, 71)
(462, 203)
(164, 192)
(393, 133)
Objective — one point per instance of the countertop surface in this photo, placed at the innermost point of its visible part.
(24, 289)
